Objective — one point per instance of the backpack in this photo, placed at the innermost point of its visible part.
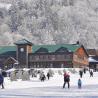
(67, 78)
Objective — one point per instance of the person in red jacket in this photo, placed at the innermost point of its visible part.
(66, 80)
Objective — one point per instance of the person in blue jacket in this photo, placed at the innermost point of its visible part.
(79, 83)
(2, 81)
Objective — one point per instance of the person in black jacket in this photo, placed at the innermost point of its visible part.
(81, 73)
(66, 80)
(91, 73)
(48, 75)
(2, 81)
(4, 74)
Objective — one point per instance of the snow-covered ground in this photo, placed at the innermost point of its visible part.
(53, 87)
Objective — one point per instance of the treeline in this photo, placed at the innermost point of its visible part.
(50, 22)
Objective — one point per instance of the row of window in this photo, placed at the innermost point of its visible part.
(51, 65)
(49, 57)
(81, 58)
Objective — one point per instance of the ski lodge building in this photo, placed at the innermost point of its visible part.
(26, 55)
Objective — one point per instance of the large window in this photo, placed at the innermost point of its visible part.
(37, 57)
(46, 57)
(69, 62)
(41, 57)
(68, 56)
(30, 58)
(53, 57)
(49, 57)
(58, 56)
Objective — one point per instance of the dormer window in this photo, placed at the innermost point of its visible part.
(42, 50)
(62, 49)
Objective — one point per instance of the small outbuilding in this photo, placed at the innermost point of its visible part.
(93, 62)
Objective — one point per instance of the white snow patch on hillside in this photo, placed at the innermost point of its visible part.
(4, 5)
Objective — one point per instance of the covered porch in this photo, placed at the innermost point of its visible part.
(51, 64)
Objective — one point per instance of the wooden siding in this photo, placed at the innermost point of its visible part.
(3, 58)
(29, 48)
(80, 58)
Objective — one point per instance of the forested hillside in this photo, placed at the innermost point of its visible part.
(49, 21)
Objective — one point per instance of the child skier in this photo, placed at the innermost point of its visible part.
(79, 83)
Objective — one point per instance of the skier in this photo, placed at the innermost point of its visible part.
(84, 70)
(79, 83)
(66, 80)
(81, 73)
(48, 75)
(1, 81)
(42, 76)
(4, 74)
(91, 73)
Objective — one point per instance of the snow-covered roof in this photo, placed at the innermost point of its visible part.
(26, 69)
(10, 70)
(90, 59)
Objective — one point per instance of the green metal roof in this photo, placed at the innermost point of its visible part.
(7, 49)
(53, 48)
